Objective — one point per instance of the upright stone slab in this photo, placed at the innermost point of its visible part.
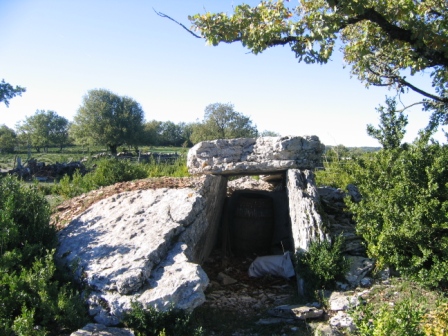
(144, 246)
(305, 210)
(254, 156)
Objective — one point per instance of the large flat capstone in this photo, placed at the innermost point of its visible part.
(144, 246)
(254, 156)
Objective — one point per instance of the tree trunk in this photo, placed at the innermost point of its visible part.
(113, 149)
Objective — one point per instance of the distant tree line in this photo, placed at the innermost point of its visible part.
(107, 119)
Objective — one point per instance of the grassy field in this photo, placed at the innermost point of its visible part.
(72, 153)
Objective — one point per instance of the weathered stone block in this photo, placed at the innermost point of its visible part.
(144, 246)
(304, 209)
(101, 330)
(254, 156)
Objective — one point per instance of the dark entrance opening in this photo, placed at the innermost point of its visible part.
(253, 224)
(256, 223)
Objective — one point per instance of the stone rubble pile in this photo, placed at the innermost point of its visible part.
(340, 220)
(32, 169)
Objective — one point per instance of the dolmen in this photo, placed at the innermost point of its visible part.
(147, 246)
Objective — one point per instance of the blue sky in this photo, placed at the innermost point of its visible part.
(60, 49)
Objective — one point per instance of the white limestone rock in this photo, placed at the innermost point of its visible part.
(254, 156)
(304, 209)
(96, 329)
(297, 312)
(342, 301)
(342, 320)
(143, 246)
(360, 267)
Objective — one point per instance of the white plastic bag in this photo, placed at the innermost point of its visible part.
(278, 265)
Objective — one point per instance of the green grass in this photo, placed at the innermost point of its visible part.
(398, 308)
(103, 172)
(74, 153)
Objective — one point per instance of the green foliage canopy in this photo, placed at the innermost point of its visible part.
(382, 41)
(8, 139)
(152, 131)
(108, 119)
(392, 126)
(167, 133)
(7, 92)
(221, 121)
(43, 129)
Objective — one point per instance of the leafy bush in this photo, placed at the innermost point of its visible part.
(32, 300)
(177, 168)
(322, 264)
(337, 174)
(151, 322)
(435, 323)
(403, 215)
(71, 187)
(110, 171)
(24, 220)
(401, 319)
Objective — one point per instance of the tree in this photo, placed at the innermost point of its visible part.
(267, 133)
(59, 127)
(221, 121)
(382, 41)
(187, 131)
(152, 130)
(171, 134)
(167, 133)
(108, 119)
(336, 153)
(8, 139)
(7, 92)
(392, 126)
(43, 129)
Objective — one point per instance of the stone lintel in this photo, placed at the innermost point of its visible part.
(249, 156)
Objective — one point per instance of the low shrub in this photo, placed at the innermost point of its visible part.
(177, 168)
(33, 301)
(403, 213)
(337, 174)
(110, 171)
(321, 265)
(72, 187)
(435, 323)
(399, 319)
(151, 322)
(24, 218)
